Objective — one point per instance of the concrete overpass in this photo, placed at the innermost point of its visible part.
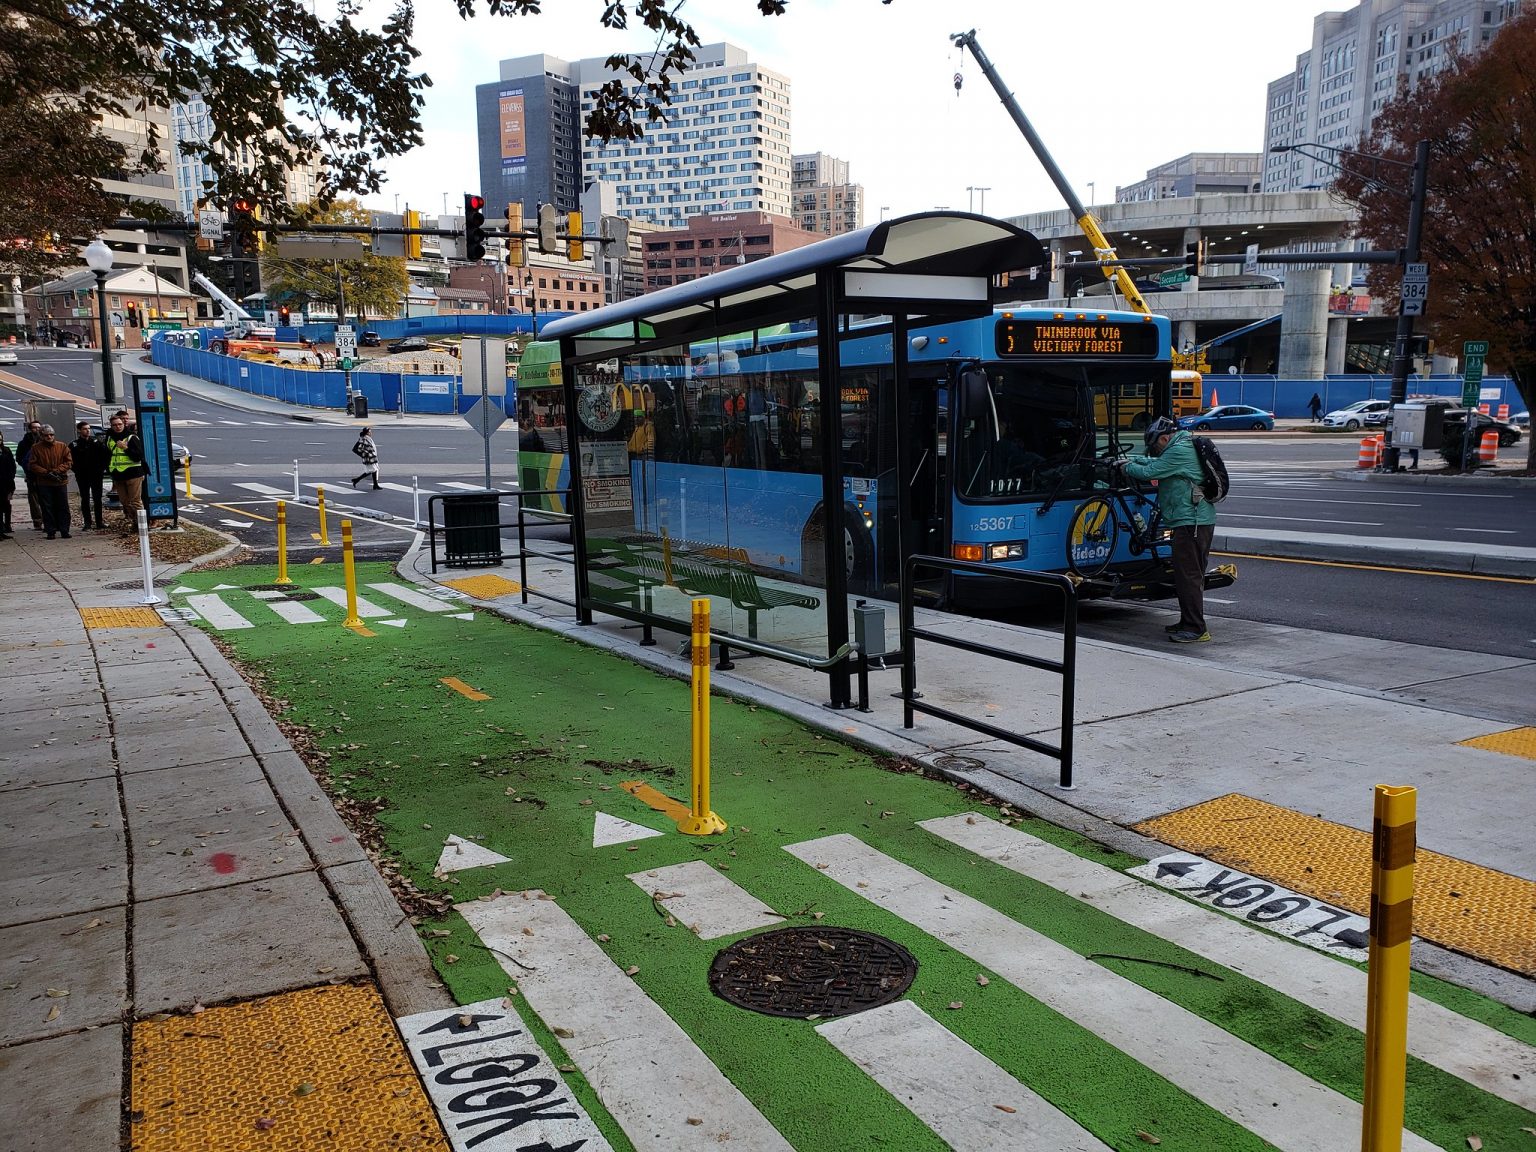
(1310, 342)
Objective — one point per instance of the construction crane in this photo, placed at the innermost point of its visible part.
(1085, 219)
(238, 324)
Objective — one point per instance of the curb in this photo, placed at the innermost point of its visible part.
(1438, 479)
(1358, 552)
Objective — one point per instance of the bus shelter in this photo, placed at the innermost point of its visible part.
(725, 440)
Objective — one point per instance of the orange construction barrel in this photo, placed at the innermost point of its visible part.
(1484, 409)
(1368, 458)
(1488, 450)
(1503, 411)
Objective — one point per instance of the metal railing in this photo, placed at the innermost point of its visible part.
(1066, 667)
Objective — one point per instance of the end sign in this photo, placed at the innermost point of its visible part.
(1473, 352)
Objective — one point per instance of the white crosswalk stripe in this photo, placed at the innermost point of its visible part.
(294, 612)
(1268, 1097)
(199, 490)
(365, 608)
(406, 488)
(262, 489)
(948, 1085)
(616, 1032)
(410, 596)
(213, 609)
(461, 486)
(1464, 1048)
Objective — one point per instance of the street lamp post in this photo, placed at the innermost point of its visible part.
(98, 257)
(1401, 355)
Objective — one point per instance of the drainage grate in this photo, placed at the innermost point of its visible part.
(812, 972)
(127, 585)
(958, 763)
(271, 587)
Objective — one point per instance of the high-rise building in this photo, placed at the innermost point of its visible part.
(191, 124)
(825, 200)
(1354, 67)
(723, 145)
(1197, 174)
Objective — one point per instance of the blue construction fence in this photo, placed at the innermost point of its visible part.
(1288, 399)
(311, 388)
(471, 324)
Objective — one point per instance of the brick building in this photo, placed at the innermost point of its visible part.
(711, 243)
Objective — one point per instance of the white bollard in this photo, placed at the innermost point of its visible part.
(149, 596)
(415, 501)
(296, 482)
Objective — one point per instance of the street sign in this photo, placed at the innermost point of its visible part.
(346, 363)
(210, 224)
(1251, 260)
(491, 379)
(1472, 374)
(346, 343)
(1416, 272)
(1474, 348)
(1414, 293)
(485, 417)
(1172, 276)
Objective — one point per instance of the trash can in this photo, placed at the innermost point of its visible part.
(359, 405)
(471, 529)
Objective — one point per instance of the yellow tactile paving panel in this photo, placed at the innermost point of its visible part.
(487, 587)
(121, 618)
(319, 1068)
(1487, 914)
(1515, 742)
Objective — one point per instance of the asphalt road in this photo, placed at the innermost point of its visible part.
(243, 462)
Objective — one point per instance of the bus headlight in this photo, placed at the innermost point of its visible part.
(1008, 551)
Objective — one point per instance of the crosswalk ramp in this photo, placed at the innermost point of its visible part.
(228, 608)
(969, 1084)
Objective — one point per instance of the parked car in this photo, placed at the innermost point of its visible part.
(1358, 415)
(1230, 416)
(369, 340)
(7, 356)
(1455, 423)
(409, 344)
(1521, 420)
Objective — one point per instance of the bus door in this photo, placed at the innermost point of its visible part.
(924, 428)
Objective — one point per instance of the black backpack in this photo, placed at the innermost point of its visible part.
(1216, 483)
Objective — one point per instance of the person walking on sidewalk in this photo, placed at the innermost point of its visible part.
(23, 450)
(48, 463)
(7, 486)
(1315, 405)
(125, 464)
(368, 451)
(90, 455)
(1172, 462)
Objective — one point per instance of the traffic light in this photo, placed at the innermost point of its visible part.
(547, 228)
(284, 315)
(574, 249)
(242, 225)
(517, 251)
(1194, 258)
(474, 227)
(413, 242)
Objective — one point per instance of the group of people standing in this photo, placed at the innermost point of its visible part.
(46, 465)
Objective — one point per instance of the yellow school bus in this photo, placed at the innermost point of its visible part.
(1188, 393)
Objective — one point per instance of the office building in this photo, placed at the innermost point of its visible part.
(723, 145)
(1197, 174)
(712, 243)
(825, 199)
(1356, 62)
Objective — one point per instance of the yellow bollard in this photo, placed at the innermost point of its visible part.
(352, 620)
(187, 471)
(282, 543)
(325, 540)
(700, 821)
(1393, 847)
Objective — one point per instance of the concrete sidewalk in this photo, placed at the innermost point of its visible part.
(164, 846)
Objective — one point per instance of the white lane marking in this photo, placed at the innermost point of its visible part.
(189, 423)
(461, 486)
(708, 902)
(409, 596)
(1218, 600)
(1323, 500)
(233, 423)
(261, 489)
(1306, 520)
(237, 523)
(1465, 1048)
(1489, 531)
(459, 854)
(199, 490)
(365, 608)
(213, 609)
(294, 612)
(608, 830)
(268, 594)
(477, 1059)
(1255, 1089)
(948, 1085)
(406, 488)
(617, 1032)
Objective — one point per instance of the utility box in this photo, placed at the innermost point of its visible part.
(59, 414)
(1418, 425)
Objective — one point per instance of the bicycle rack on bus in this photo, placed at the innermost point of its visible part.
(1066, 667)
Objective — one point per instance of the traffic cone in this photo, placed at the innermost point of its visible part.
(1215, 403)
(1367, 453)
(1488, 450)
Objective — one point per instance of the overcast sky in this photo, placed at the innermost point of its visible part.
(1112, 87)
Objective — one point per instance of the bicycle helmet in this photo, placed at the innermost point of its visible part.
(1162, 426)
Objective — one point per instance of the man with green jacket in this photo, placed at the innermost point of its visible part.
(1172, 462)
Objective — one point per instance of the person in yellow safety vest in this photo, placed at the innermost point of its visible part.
(125, 465)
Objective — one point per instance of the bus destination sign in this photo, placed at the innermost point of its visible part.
(1073, 338)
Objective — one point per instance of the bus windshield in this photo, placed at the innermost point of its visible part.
(1041, 421)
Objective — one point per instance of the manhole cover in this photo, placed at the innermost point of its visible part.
(812, 972)
(268, 587)
(125, 585)
(302, 596)
(958, 763)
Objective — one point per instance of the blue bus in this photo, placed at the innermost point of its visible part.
(1010, 421)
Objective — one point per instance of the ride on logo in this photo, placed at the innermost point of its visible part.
(1090, 542)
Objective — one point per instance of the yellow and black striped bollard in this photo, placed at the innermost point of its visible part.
(1393, 848)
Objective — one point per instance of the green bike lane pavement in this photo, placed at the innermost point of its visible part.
(1040, 1003)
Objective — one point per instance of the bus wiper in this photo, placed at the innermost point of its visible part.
(1066, 473)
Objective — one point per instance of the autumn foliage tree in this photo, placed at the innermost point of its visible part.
(372, 285)
(1479, 235)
